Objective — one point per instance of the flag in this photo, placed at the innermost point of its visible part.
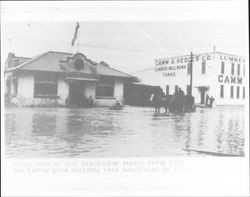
(75, 34)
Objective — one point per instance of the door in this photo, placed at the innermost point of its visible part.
(203, 91)
(76, 91)
(202, 96)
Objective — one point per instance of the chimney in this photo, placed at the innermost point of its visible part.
(9, 61)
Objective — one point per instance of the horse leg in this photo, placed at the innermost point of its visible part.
(167, 110)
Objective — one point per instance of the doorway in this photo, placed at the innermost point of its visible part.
(203, 90)
(76, 92)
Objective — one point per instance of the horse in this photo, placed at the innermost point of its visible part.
(159, 101)
(173, 103)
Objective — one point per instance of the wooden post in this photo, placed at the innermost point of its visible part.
(191, 73)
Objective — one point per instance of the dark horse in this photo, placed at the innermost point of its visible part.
(161, 101)
(173, 104)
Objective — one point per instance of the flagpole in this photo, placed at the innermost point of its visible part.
(78, 40)
(191, 73)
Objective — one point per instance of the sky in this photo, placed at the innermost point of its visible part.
(127, 36)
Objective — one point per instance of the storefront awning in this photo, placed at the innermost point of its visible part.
(201, 86)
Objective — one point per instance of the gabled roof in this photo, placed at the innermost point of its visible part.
(49, 61)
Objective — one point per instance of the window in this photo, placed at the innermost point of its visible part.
(176, 88)
(188, 68)
(238, 92)
(188, 89)
(78, 64)
(45, 85)
(243, 92)
(244, 70)
(232, 91)
(167, 89)
(238, 69)
(203, 67)
(222, 91)
(232, 69)
(105, 87)
(222, 67)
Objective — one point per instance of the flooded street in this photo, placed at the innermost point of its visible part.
(131, 132)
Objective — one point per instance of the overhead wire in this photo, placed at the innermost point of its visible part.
(114, 48)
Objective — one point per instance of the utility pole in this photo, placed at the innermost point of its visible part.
(191, 73)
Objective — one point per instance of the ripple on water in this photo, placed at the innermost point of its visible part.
(133, 131)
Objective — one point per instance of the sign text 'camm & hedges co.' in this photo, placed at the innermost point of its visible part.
(170, 66)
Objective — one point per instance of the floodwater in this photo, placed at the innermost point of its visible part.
(131, 132)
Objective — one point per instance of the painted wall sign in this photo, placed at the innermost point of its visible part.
(180, 60)
(169, 71)
(170, 68)
(232, 58)
(230, 79)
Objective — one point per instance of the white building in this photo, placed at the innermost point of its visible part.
(57, 78)
(220, 75)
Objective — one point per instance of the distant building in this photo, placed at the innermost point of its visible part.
(139, 94)
(57, 78)
(214, 74)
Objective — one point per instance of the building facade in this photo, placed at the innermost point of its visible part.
(216, 74)
(61, 79)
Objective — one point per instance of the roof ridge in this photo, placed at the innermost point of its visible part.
(203, 53)
(230, 54)
(60, 52)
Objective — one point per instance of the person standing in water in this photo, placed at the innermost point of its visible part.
(211, 101)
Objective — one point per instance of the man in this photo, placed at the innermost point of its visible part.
(180, 100)
(189, 102)
(181, 93)
(211, 101)
(118, 104)
(90, 101)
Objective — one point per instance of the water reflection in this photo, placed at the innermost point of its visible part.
(132, 132)
(188, 135)
(43, 124)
